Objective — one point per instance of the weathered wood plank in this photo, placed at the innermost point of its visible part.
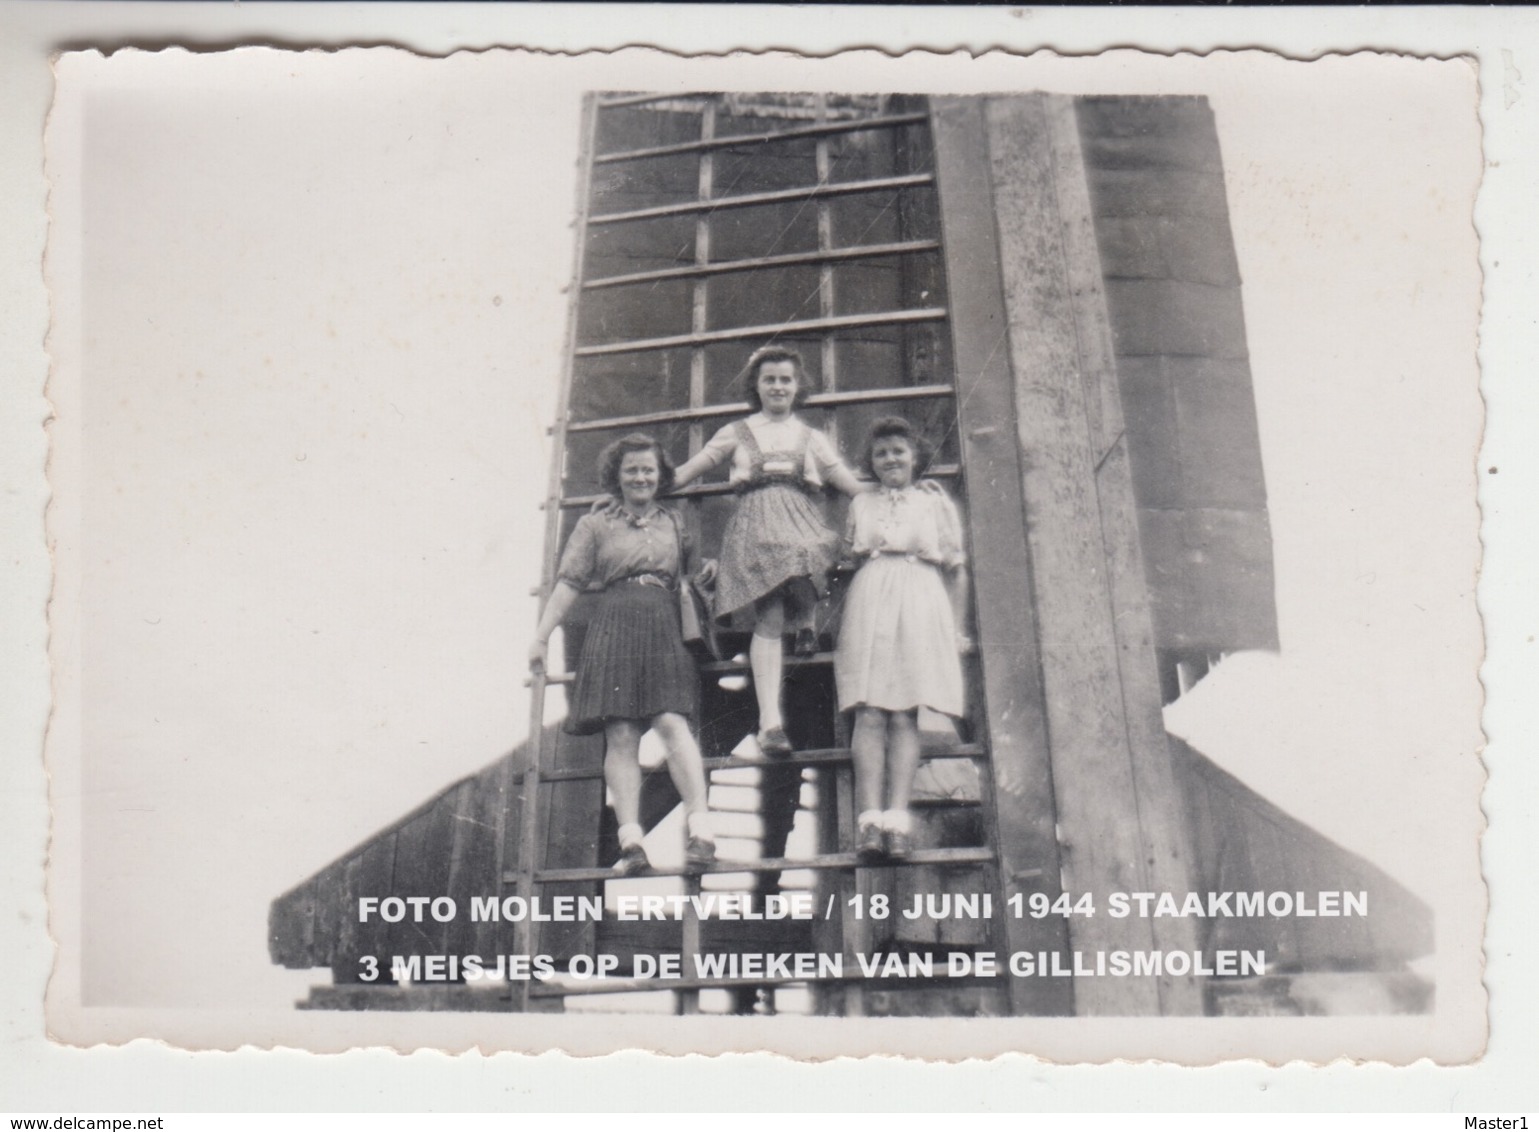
(289, 927)
(1165, 840)
(480, 873)
(421, 869)
(375, 877)
(1023, 815)
(471, 862)
(570, 814)
(1101, 837)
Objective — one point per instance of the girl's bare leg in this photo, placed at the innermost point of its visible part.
(766, 656)
(902, 758)
(622, 774)
(684, 765)
(868, 750)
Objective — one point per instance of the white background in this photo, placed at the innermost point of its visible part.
(977, 1085)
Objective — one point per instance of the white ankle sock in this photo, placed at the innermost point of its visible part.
(631, 834)
(868, 818)
(699, 825)
(897, 821)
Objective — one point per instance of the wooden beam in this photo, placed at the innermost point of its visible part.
(758, 263)
(775, 196)
(1162, 824)
(1100, 724)
(769, 331)
(743, 408)
(733, 141)
(722, 487)
(1022, 821)
(958, 856)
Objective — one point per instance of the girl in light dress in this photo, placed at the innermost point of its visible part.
(777, 550)
(899, 643)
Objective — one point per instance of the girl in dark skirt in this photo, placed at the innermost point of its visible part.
(635, 672)
(777, 550)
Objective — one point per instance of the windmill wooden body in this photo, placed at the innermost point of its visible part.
(1047, 285)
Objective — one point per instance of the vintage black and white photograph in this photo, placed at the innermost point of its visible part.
(917, 555)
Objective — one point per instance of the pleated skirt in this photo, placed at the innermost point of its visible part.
(634, 664)
(776, 534)
(897, 642)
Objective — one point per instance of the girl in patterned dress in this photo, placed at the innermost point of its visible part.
(898, 643)
(777, 550)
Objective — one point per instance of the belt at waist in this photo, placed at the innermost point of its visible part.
(743, 487)
(907, 556)
(661, 581)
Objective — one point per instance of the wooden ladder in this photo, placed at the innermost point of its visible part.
(845, 924)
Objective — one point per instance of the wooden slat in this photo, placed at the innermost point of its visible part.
(344, 950)
(828, 355)
(732, 141)
(939, 471)
(527, 795)
(699, 319)
(423, 852)
(742, 408)
(1023, 817)
(571, 811)
(628, 938)
(290, 931)
(767, 331)
(615, 101)
(760, 263)
(776, 865)
(375, 876)
(775, 196)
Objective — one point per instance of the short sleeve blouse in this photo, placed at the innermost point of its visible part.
(612, 543)
(820, 458)
(922, 522)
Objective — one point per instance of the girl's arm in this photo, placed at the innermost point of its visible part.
(834, 470)
(719, 448)
(842, 478)
(951, 547)
(846, 560)
(692, 469)
(956, 587)
(561, 599)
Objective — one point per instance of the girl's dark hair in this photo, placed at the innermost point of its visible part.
(884, 427)
(774, 354)
(609, 462)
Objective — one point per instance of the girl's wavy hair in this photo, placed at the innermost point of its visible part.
(609, 462)
(764, 354)
(884, 427)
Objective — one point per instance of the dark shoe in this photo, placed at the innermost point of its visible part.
(805, 644)
(699, 854)
(633, 862)
(774, 741)
(899, 845)
(870, 847)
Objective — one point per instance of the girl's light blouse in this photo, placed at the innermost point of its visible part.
(819, 462)
(909, 521)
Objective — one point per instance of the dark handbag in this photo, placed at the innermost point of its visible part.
(695, 618)
(694, 606)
